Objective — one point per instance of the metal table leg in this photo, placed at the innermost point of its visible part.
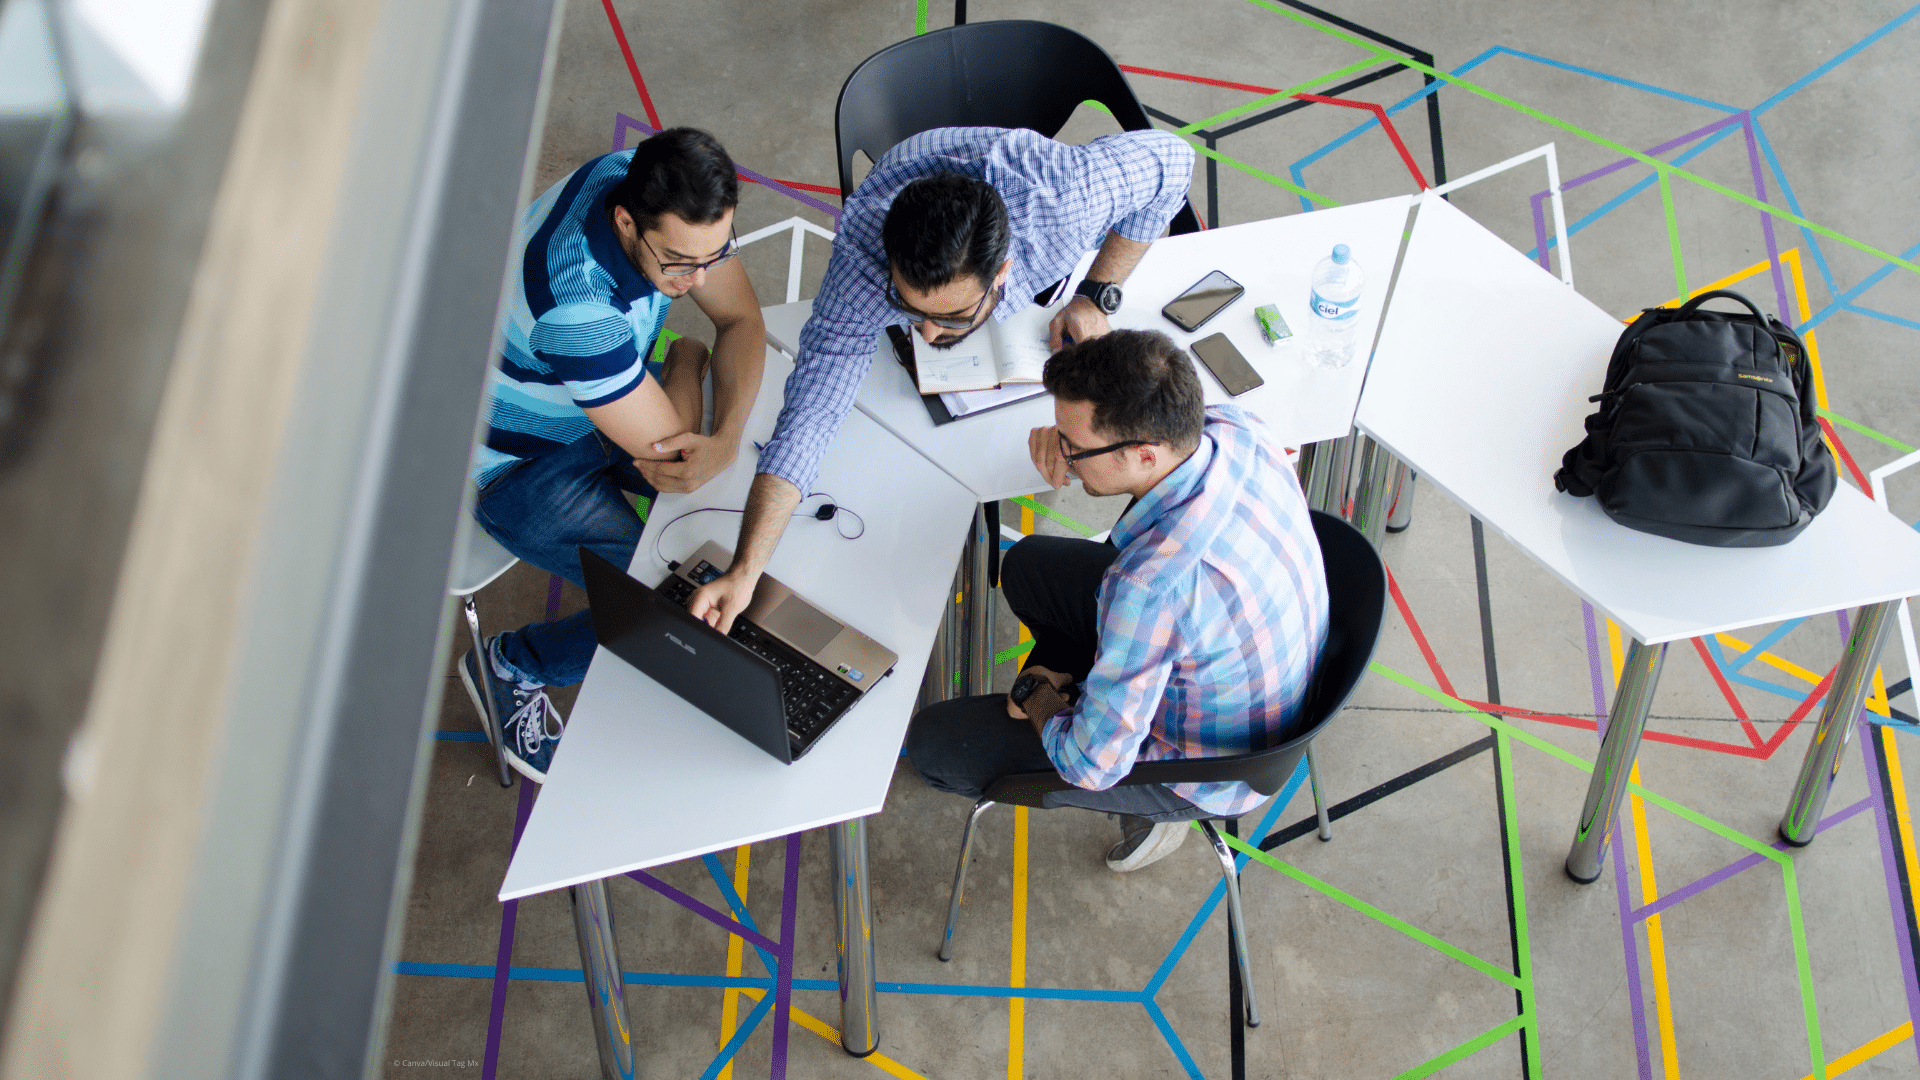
(600, 957)
(1837, 717)
(1370, 497)
(1627, 720)
(1325, 468)
(853, 913)
(482, 665)
(977, 610)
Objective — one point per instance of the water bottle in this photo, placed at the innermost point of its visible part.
(1334, 309)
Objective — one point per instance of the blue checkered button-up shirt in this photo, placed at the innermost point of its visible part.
(1211, 620)
(1061, 202)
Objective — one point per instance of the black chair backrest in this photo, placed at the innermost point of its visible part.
(1357, 608)
(1016, 73)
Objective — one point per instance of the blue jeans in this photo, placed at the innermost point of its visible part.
(544, 510)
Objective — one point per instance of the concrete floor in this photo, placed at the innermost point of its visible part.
(1782, 970)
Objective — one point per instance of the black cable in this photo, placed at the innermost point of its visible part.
(827, 511)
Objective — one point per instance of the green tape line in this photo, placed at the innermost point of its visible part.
(642, 504)
(666, 338)
(1855, 425)
(1491, 971)
(1262, 174)
(1278, 95)
(1096, 106)
(1012, 652)
(1803, 963)
(1673, 237)
(1620, 148)
(1050, 512)
(919, 16)
(1471, 1046)
(1571, 758)
(1522, 938)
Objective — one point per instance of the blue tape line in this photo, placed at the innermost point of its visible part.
(1173, 1041)
(1639, 186)
(1844, 55)
(1844, 300)
(460, 736)
(740, 1037)
(1793, 203)
(1773, 638)
(738, 907)
(1219, 890)
(1883, 316)
(1735, 675)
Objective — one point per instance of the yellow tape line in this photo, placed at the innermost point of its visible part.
(736, 951)
(1017, 974)
(1656, 937)
(1771, 660)
(832, 1034)
(1892, 1038)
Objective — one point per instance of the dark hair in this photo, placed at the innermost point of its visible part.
(682, 171)
(944, 226)
(1141, 384)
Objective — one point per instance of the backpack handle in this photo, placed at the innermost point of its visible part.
(1687, 308)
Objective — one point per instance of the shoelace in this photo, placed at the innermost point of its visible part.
(532, 721)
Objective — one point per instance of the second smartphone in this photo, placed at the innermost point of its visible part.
(1209, 296)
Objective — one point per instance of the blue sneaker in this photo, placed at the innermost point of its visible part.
(533, 726)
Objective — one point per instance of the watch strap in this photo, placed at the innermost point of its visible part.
(1044, 702)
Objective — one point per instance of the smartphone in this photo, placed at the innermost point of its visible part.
(1209, 296)
(1227, 364)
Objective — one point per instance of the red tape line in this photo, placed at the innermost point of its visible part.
(1841, 449)
(619, 35)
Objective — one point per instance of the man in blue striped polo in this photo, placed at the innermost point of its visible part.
(580, 415)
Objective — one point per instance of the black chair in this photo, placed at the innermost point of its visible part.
(1014, 74)
(1357, 598)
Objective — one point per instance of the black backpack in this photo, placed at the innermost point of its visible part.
(1706, 430)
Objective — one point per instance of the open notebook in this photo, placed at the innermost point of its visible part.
(1003, 353)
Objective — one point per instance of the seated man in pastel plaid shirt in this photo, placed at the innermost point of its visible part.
(1191, 633)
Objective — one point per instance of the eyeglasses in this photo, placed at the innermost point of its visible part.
(950, 322)
(1066, 449)
(682, 269)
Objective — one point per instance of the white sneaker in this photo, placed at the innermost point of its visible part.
(1143, 842)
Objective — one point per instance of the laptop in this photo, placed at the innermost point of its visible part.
(780, 680)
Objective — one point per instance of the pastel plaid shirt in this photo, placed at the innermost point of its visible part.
(1061, 201)
(1211, 620)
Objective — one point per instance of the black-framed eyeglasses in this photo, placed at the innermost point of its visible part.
(949, 322)
(682, 269)
(1066, 448)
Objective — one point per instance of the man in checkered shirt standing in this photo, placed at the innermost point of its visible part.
(952, 227)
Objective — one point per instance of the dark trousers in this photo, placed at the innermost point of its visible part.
(964, 745)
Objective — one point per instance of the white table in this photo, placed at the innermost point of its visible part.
(1482, 397)
(643, 778)
(1272, 258)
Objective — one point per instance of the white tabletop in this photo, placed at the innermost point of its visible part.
(1480, 382)
(643, 778)
(1272, 258)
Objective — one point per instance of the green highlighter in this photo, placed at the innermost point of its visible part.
(1272, 326)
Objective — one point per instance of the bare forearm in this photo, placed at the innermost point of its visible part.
(1118, 256)
(770, 505)
(739, 360)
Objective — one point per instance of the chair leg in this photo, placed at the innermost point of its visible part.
(960, 879)
(480, 666)
(1319, 803)
(1236, 919)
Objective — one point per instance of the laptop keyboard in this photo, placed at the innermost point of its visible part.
(810, 694)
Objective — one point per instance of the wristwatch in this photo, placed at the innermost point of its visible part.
(1037, 698)
(1104, 294)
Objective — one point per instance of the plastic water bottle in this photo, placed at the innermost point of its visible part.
(1334, 309)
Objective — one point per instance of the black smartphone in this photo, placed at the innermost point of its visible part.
(1209, 296)
(1227, 364)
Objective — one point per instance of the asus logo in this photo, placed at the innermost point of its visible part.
(682, 644)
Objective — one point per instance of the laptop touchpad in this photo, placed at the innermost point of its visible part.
(802, 624)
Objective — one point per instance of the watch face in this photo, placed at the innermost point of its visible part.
(1109, 299)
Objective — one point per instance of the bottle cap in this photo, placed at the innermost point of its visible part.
(1341, 254)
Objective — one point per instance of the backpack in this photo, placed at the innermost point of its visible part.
(1706, 430)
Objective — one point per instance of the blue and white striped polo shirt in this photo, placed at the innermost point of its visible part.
(582, 322)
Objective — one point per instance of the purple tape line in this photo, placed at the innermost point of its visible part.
(553, 597)
(1766, 221)
(712, 915)
(1735, 868)
(1539, 197)
(783, 982)
(1628, 944)
(503, 959)
(622, 123)
(1903, 940)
